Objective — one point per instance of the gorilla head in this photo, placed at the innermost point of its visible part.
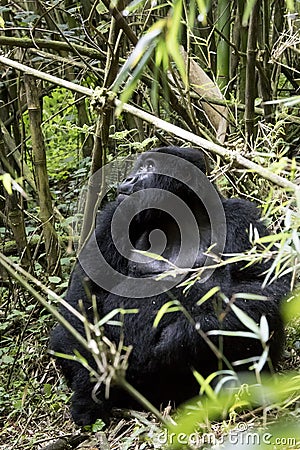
(171, 206)
(167, 169)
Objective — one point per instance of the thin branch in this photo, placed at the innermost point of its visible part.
(121, 21)
(227, 154)
(51, 45)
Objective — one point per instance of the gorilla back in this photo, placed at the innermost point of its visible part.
(167, 207)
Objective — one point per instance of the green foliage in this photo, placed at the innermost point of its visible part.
(19, 361)
(61, 133)
(191, 419)
(162, 38)
(96, 426)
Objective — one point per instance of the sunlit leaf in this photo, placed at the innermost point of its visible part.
(205, 385)
(290, 101)
(250, 296)
(244, 334)
(144, 46)
(7, 183)
(290, 5)
(153, 256)
(135, 77)
(172, 38)
(291, 308)
(55, 280)
(264, 329)
(133, 6)
(262, 360)
(208, 295)
(245, 319)
(171, 306)
(107, 318)
(272, 238)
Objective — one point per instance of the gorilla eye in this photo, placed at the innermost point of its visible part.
(149, 164)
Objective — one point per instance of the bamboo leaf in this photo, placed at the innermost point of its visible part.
(107, 318)
(7, 183)
(246, 320)
(262, 360)
(144, 46)
(208, 295)
(133, 6)
(172, 38)
(171, 306)
(264, 329)
(205, 386)
(245, 334)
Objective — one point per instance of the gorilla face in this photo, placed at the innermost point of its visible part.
(143, 176)
(167, 170)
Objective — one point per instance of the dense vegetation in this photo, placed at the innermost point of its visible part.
(87, 82)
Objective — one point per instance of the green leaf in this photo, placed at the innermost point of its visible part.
(208, 295)
(172, 39)
(153, 256)
(264, 329)
(250, 296)
(7, 183)
(290, 5)
(133, 6)
(7, 360)
(205, 386)
(107, 318)
(245, 334)
(272, 238)
(291, 308)
(246, 320)
(54, 280)
(98, 426)
(144, 47)
(47, 389)
(166, 308)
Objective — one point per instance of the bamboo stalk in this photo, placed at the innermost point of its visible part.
(223, 55)
(15, 215)
(243, 34)
(94, 189)
(250, 93)
(42, 182)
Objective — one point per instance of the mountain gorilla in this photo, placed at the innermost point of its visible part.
(167, 207)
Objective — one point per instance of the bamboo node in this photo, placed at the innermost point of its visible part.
(102, 99)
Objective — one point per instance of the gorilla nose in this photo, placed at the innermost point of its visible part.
(126, 188)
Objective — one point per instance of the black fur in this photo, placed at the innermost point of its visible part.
(161, 360)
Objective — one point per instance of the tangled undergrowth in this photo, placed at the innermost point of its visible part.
(34, 399)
